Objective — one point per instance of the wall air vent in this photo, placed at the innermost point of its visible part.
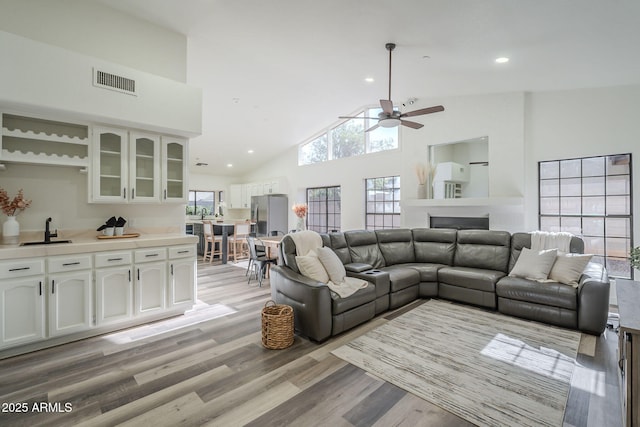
(114, 82)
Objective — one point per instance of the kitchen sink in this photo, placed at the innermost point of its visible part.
(52, 242)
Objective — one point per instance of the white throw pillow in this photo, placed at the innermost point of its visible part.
(311, 267)
(568, 268)
(534, 265)
(332, 264)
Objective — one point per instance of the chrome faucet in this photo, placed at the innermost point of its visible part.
(47, 234)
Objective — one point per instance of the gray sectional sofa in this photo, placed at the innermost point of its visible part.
(402, 265)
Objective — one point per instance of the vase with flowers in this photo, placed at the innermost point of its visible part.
(11, 208)
(300, 209)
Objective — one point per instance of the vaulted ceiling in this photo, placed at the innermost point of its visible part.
(274, 73)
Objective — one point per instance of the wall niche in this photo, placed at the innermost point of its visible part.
(460, 169)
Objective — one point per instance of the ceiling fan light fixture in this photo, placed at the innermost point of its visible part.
(389, 123)
(390, 117)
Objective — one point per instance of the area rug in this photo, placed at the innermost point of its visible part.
(487, 368)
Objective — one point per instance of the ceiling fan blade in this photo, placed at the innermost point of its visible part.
(422, 111)
(387, 106)
(357, 117)
(414, 125)
(374, 127)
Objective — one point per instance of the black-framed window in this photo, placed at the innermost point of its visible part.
(201, 202)
(323, 214)
(591, 197)
(382, 202)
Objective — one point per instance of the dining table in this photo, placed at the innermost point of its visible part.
(271, 244)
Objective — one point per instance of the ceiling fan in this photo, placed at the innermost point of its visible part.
(389, 117)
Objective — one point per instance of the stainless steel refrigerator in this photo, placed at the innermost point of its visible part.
(270, 213)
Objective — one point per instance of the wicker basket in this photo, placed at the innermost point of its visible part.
(277, 325)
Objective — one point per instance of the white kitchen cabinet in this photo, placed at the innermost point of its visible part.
(182, 276)
(109, 169)
(150, 280)
(125, 168)
(144, 163)
(257, 189)
(249, 190)
(22, 302)
(70, 302)
(137, 167)
(240, 194)
(275, 186)
(114, 287)
(174, 169)
(235, 196)
(70, 294)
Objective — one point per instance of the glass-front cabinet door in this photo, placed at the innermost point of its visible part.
(109, 171)
(174, 170)
(144, 163)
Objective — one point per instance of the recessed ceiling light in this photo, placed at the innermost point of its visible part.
(229, 165)
(250, 151)
(369, 79)
(502, 60)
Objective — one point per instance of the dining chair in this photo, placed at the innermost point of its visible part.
(261, 250)
(260, 263)
(238, 248)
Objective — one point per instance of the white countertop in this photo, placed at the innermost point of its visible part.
(88, 242)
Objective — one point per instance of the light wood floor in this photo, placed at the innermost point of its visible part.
(209, 368)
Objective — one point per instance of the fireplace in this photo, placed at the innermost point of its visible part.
(459, 222)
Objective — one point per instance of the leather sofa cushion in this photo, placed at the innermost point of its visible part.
(396, 245)
(538, 312)
(434, 245)
(338, 243)
(472, 278)
(401, 277)
(288, 253)
(545, 293)
(428, 272)
(363, 247)
(483, 249)
(362, 296)
(356, 267)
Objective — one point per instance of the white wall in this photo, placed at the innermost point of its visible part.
(349, 173)
(93, 29)
(580, 123)
(522, 130)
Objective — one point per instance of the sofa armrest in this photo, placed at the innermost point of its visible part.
(310, 299)
(357, 267)
(593, 299)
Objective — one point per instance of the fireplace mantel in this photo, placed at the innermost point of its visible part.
(479, 201)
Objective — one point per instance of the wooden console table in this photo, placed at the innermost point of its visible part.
(628, 293)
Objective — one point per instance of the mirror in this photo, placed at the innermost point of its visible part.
(460, 169)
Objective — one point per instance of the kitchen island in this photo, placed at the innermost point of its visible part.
(61, 292)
